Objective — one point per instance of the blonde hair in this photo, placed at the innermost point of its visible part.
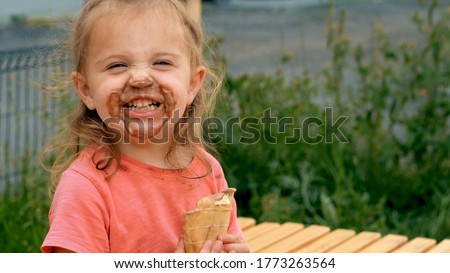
(86, 127)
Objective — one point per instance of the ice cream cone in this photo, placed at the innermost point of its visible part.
(209, 219)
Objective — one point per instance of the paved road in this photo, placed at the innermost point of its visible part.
(256, 38)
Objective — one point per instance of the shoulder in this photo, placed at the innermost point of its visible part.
(84, 165)
(214, 164)
(82, 177)
(215, 172)
(81, 185)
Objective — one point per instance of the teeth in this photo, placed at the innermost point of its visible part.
(146, 104)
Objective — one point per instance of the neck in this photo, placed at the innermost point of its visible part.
(156, 154)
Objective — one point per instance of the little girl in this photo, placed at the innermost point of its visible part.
(135, 160)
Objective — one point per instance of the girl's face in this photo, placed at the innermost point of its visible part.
(140, 60)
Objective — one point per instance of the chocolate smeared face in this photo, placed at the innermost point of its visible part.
(138, 76)
(143, 112)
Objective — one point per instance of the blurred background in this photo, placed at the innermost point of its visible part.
(381, 65)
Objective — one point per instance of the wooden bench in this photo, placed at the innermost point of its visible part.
(295, 237)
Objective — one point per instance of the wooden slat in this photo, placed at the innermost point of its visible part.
(417, 245)
(297, 240)
(356, 243)
(386, 244)
(259, 230)
(292, 237)
(246, 222)
(274, 236)
(328, 241)
(442, 247)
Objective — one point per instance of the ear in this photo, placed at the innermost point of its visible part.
(198, 77)
(81, 86)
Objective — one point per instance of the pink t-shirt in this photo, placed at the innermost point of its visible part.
(139, 209)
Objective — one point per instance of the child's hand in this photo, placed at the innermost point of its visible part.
(233, 244)
(213, 247)
(208, 247)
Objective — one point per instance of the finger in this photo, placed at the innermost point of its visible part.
(237, 248)
(227, 238)
(180, 246)
(206, 247)
(217, 247)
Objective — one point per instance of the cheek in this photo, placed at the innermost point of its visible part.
(102, 95)
(183, 101)
(102, 103)
(179, 91)
(103, 113)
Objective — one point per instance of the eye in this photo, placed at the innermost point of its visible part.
(162, 62)
(116, 66)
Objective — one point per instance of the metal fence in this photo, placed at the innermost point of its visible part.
(27, 110)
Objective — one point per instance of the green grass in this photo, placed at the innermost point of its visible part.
(24, 212)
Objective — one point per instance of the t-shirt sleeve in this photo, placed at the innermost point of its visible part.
(78, 216)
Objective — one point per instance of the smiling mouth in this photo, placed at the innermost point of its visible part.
(142, 105)
(135, 110)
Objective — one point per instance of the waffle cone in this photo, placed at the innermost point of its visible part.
(209, 219)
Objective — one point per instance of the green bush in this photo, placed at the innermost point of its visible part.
(390, 173)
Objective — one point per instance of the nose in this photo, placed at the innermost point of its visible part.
(140, 78)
